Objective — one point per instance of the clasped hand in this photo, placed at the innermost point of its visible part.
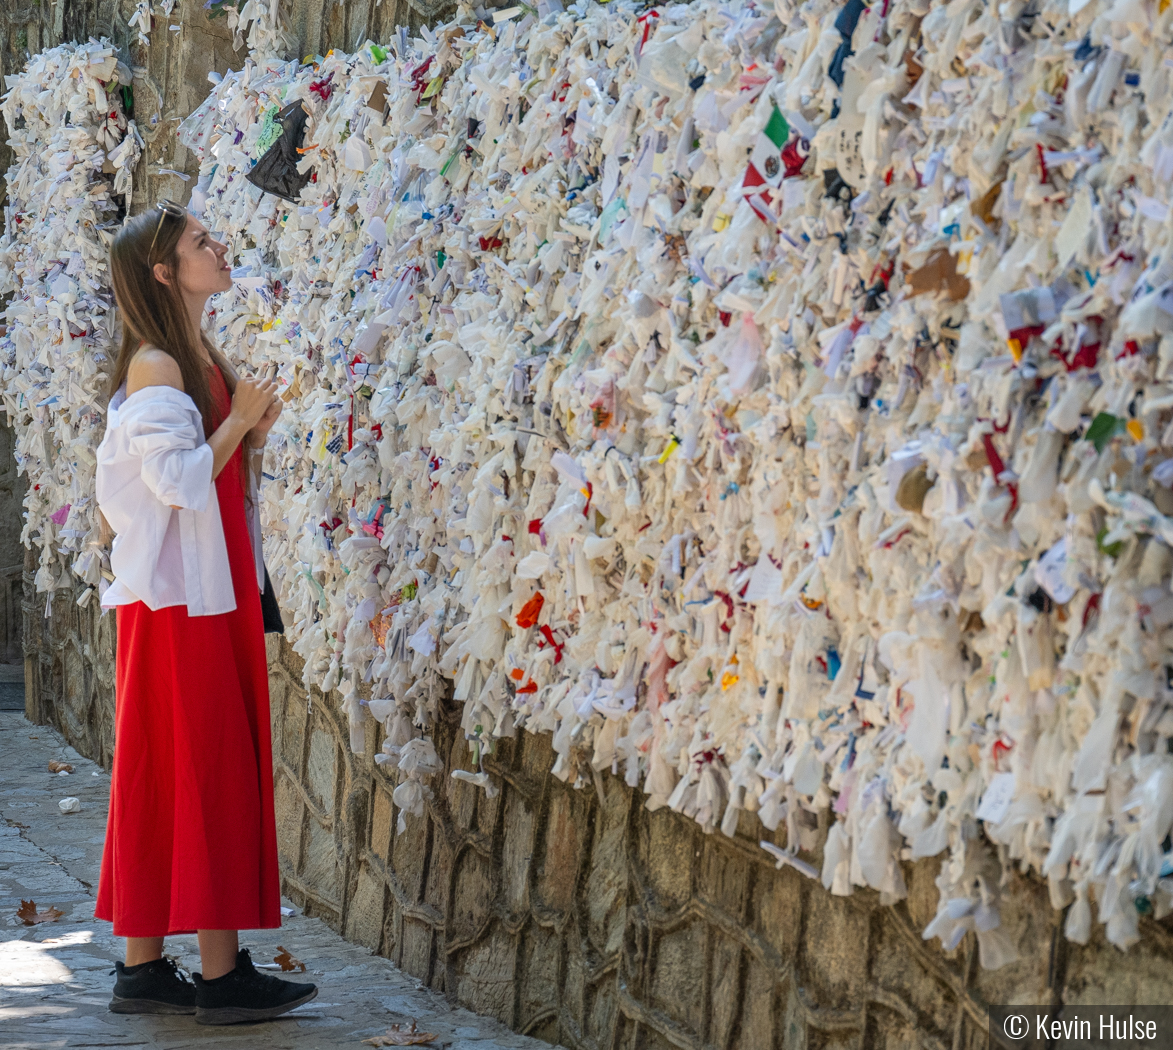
(256, 404)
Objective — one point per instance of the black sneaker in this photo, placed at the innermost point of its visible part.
(155, 987)
(243, 994)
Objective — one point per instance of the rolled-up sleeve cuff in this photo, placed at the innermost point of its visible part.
(186, 478)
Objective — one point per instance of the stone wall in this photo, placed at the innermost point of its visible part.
(579, 917)
(12, 489)
(69, 667)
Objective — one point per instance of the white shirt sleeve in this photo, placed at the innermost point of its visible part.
(176, 460)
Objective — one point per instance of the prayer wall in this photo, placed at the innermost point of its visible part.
(583, 918)
(711, 395)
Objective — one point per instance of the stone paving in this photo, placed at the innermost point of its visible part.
(56, 977)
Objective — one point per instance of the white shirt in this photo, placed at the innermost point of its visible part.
(152, 458)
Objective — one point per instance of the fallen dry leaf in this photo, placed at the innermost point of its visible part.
(56, 767)
(399, 1036)
(287, 961)
(30, 916)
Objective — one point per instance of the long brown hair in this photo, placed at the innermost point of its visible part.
(154, 313)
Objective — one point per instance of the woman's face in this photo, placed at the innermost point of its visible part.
(203, 262)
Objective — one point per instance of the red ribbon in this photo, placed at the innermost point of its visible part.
(549, 636)
(1084, 357)
(419, 75)
(997, 466)
(895, 539)
(645, 21)
(322, 88)
(1093, 605)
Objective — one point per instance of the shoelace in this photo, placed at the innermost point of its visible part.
(175, 971)
(170, 966)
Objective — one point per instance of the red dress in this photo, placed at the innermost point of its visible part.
(191, 839)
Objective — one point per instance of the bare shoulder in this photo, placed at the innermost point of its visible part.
(153, 367)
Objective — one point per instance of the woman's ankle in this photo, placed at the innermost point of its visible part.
(141, 950)
(218, 952)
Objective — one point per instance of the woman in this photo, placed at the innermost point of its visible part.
(191, 835)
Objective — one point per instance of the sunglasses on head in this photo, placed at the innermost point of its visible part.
(176, 211)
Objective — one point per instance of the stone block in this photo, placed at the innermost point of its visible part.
(288, 808)
(462, 797)
(679, 969)
(972, 1034)
(723, 878)
(409, 856)
(485, 975)
(906, 971)
(535, 754)
(574, 985)
(517, 838)
(831, 961)
(556, 873)
(1141, 977)
(473, 895)
(416, 955)
(321, 773)
(279, 718)
(393, 945)
(647, 1038)
(601, 1007)
(775, 913)
(923, 894)
(438, 873)
(287, 703)
(605, 890)
(540, 977)
(727, 988)
(364, 912)
(756, 1030)
(888, 1029)
(667, 849)
(382, 823)
(489, 809)
(319, 865)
